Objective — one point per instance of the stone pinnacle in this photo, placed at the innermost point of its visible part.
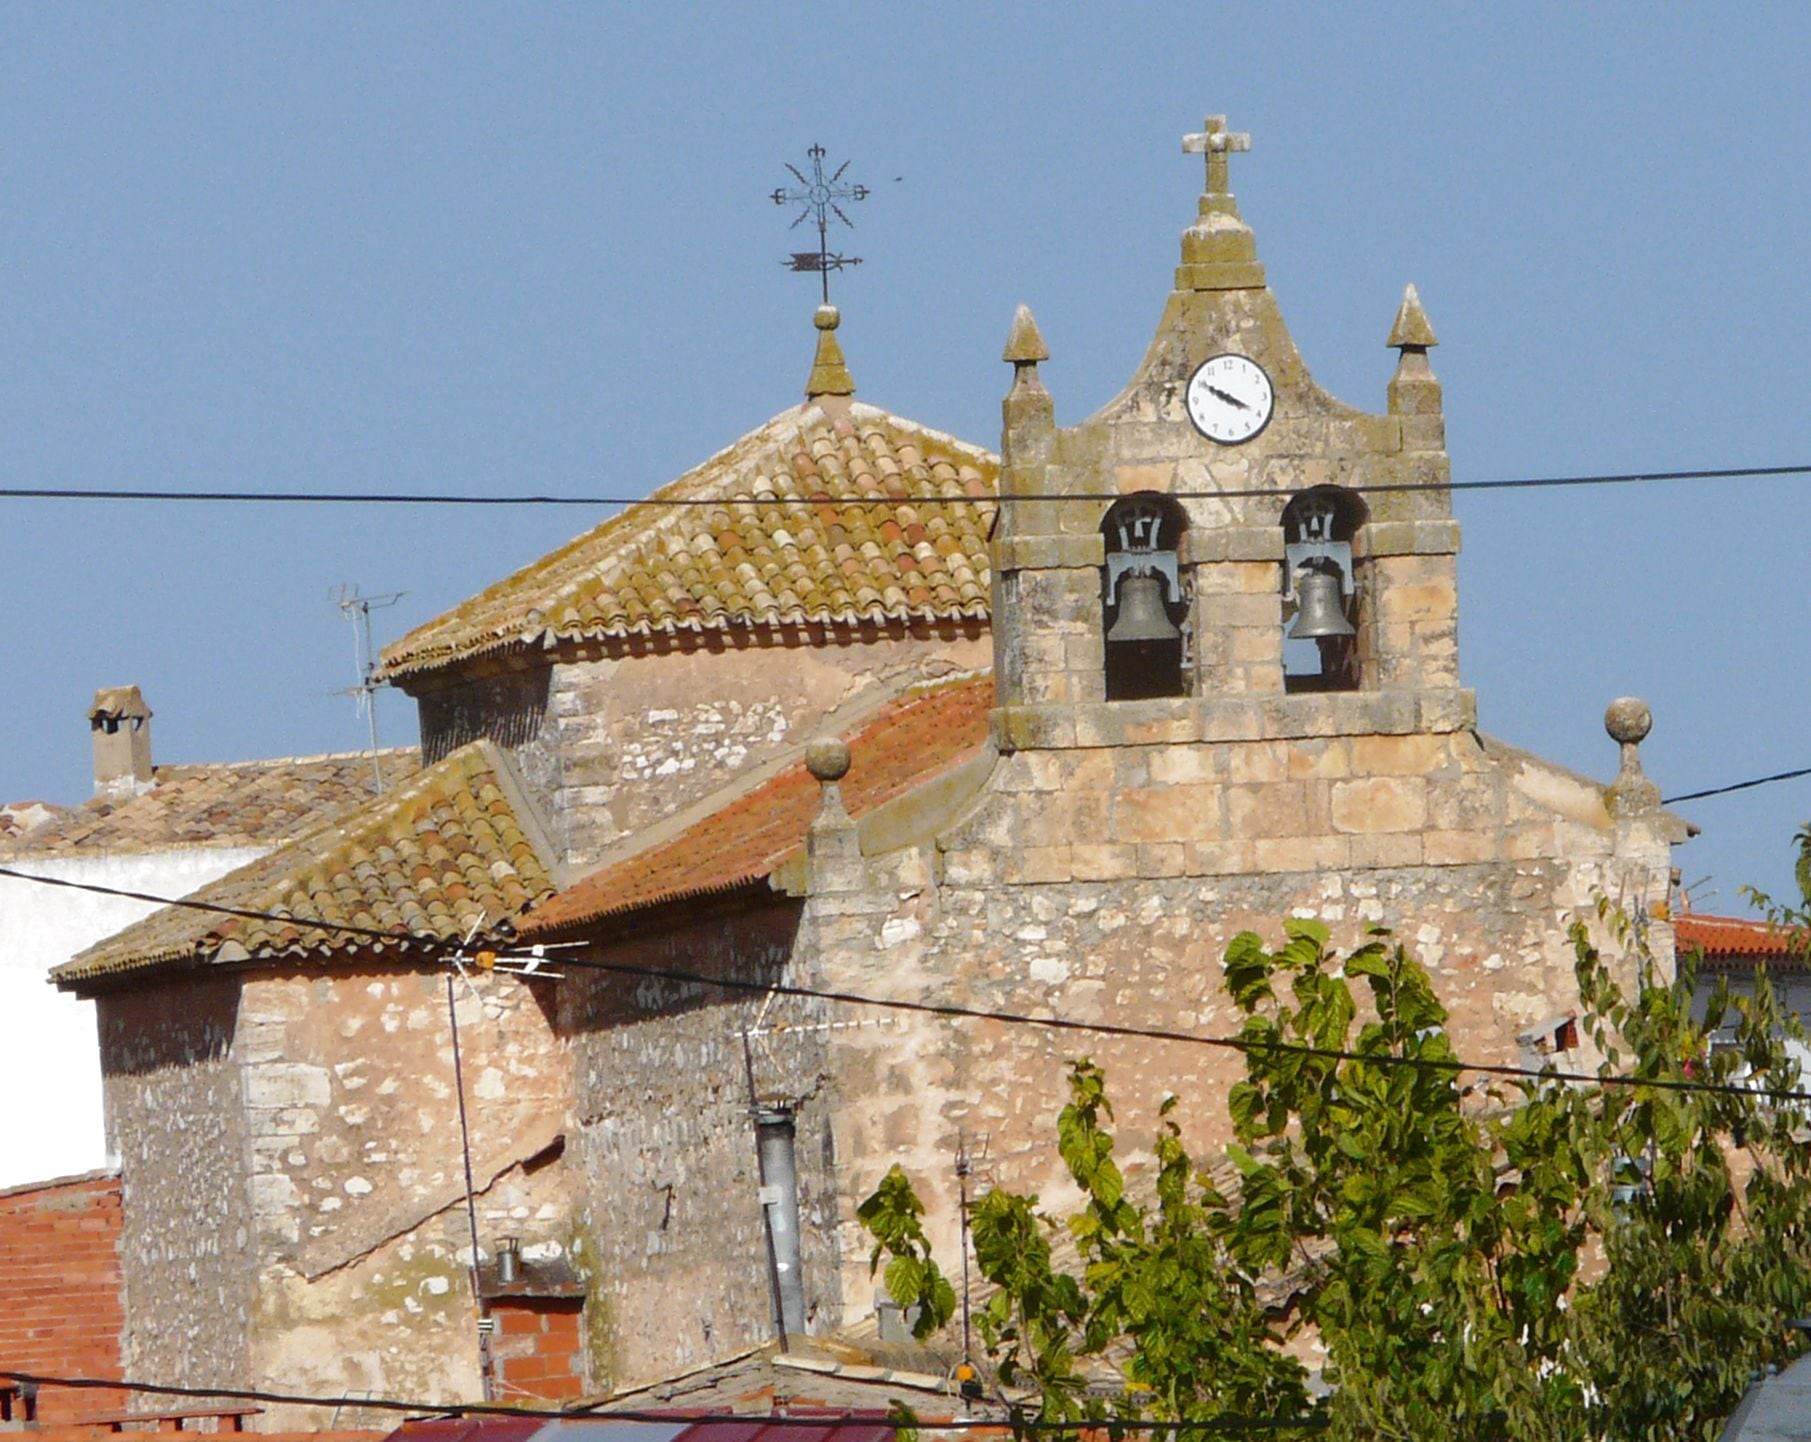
(1025, 343)
(1412, 327)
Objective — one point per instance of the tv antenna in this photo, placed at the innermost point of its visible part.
(819, 198)
(357, 609)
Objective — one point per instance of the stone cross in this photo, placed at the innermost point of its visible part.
(1215, 141)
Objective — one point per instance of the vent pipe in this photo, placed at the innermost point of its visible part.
(774, 1132)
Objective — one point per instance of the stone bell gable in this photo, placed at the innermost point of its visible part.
(1231, 519)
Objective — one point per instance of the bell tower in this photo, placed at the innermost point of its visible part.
(1225, 552)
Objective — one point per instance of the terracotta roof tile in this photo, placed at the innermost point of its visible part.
(431, 855)
(915, 738)
(1737, 943)
(246, 803)
(662, 569)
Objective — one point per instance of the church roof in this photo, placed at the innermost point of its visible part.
(235, 804)
(920, 735)
(429, 858)
(785, 547)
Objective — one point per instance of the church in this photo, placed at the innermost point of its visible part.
(853, 708)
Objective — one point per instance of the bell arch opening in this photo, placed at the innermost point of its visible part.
(1321, 590)
(1144, 609)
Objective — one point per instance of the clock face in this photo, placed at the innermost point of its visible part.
(1229, 398)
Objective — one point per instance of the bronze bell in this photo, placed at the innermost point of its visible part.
(1321, 611)
(1141, 614)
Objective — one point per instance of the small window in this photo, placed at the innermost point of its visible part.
(1320, 590)
(1144, 610)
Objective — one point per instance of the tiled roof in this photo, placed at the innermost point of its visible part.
(1735, 942)
(427, 858)
(247, 803)
(660, 568)
(916, 737)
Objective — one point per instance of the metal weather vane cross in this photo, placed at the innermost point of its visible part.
(819, 197)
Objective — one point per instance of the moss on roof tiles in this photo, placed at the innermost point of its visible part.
(662, 568)
(426, 860)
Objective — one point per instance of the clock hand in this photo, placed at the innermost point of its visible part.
(1230, 399)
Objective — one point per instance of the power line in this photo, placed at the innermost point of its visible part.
(1738, 786)
(1227, 1423)
(189, 903)
(429, 498)
(1243, 1045)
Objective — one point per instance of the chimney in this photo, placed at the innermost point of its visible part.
(121, 723)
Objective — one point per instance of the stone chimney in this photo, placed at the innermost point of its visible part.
(121, 723)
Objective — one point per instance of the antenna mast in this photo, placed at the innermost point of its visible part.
(357, 609)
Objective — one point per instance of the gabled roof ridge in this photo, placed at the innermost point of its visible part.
(272, 762)
(629, 575)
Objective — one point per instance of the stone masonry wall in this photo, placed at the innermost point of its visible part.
(1104, 884)
(358, 1185)
(666, 1150)
(175, 1112)
(610, 746)
(60, 1306)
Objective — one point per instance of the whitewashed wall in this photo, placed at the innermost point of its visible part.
(51, 1121)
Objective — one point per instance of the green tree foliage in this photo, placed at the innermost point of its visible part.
(1520, 1258)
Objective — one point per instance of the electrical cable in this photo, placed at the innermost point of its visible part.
(580, 1412)
(1738, 786)
(428, 498)
(1244, 1045)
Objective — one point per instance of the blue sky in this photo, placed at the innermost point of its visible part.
(478, 249)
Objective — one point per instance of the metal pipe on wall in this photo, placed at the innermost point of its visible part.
(774, 1132)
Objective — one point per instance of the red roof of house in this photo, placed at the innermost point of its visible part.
(915, 738)
(1737, 941)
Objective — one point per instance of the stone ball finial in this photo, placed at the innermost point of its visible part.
(826, 317)
(1628, 720)
(827, 758)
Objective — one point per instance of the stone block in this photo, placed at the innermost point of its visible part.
(1039, 553)
(1234, 543)
(1162, 859)
(1017, 728)
(1255, 761)
(1389, 849)
(1167, 813)
(1181, 765)
(287, 1084)
(1036, 865)
(1473, 802)
(1447, 710)
(1130, 479)
(1381, 803)
(1103, 861)
(1232, 720)
(1406, 538)
(1301, 853)
(1219, 858)
(1277, 809)
(1424, 601)
(1136, 723)
(1252, 644)
(1410, 755)
(1263, 608)
(1423, 433)
(1461, 848)
(1318, 758)
(971, 866)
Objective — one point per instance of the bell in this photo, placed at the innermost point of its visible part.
(1141, 614)
(1321, 612)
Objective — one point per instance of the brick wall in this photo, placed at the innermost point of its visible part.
(538, 1348)
(60, 1308)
